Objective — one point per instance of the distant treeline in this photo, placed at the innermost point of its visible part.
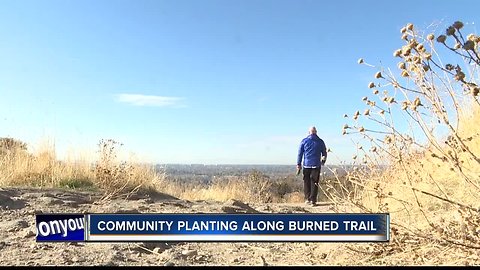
(208, 171)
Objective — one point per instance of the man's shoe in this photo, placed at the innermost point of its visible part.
(313, 203)
(308, 202)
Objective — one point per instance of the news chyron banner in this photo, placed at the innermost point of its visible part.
(213, 227)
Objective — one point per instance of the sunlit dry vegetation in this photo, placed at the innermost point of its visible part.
(419, 150)
(117, 178)
(19, 167)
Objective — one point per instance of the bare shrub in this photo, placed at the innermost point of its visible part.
(418, 141)
(121, 178)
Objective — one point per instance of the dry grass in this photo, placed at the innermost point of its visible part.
(107, 173)
(254, 187)
(435, 176)
(123, 178)
(40, 169)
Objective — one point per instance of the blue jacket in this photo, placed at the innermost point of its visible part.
(312, 148)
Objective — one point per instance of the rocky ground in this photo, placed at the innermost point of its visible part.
(18, 247)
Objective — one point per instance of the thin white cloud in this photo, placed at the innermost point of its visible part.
(150, 100)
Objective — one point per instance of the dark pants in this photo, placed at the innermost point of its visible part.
(310, 183)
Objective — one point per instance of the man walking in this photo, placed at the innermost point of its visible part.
(314, 154)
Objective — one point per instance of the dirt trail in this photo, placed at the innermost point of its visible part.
(18, 246)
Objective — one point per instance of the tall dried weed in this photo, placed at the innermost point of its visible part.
(418, 143)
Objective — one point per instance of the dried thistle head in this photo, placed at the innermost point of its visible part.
(412, 43)
(361, 129)
(397, 53)
(401, 65)
(364, 98)
(375, 92)
(403, 30)
(371, 85)
(366, 112)
(457, 25)
(346, 126)
(391, 100)
(473, 38)
(405, 73)
(420, 47)
(469, 45)
(406, 50)
(345, 116)
(475, 91)
(409, 26)
(457, 46)
(450, 31)
(355, 115)
(416, 60)
(360, 61)
(378, 75)
(430, 37)
(441, 38)
(417, 102)
(460, 76)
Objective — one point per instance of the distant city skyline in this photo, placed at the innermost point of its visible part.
(198, 82)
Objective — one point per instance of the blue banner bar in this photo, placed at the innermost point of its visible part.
(238, 227)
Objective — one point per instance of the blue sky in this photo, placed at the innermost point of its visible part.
(211, 81)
